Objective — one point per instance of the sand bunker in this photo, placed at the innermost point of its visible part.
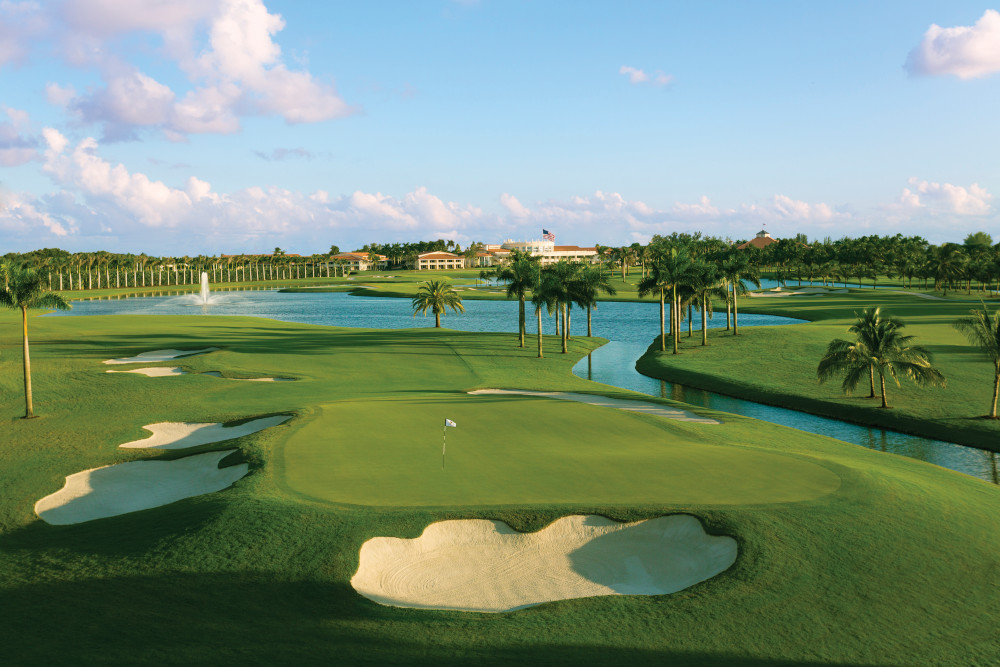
(181, 435)
(645, 407)
(155, 371)
(217, 374)
(479, 565)
(137, 485)
(158, 355)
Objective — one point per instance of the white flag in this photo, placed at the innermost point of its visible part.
(448, 422)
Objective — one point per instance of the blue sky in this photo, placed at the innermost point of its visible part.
(206, 126)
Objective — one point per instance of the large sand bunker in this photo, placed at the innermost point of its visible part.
(158, 355)
(181, 435)
(645, 407)
(155, 371)
(479, 565)
(137, 485)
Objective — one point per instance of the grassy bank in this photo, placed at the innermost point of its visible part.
(777, 365)
(847, 556)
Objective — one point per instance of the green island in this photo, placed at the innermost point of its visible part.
(841, 549)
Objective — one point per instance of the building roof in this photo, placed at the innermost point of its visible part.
(757, 242)
(354, 255)
(438, 255)
(572, 248)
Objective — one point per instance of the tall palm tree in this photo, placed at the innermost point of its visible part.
(704, 286)
(736, 269)
(24, 289)
(585, 288)
(562, 274)
(521, 273)
(435, 296)
(669, 269)
(983, 331)
(882, 348)
(546, 295)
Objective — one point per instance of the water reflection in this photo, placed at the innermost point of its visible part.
(629, 326)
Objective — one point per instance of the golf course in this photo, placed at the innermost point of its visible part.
(840, 555)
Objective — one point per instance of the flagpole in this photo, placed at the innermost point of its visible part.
(444, 442)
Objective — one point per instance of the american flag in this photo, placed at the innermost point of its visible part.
(548, 236)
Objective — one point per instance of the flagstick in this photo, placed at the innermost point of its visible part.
(444, 442)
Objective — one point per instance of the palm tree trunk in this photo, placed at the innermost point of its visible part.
(663, 333)
(871, 378)
(437, 320)
(690, 317)
(729, 306)
(569, 319)
(704, 324)
(675, 309)
(996, 392)
(538, 312)
(28, 412)
(590, 330)
(736, 315)
(882, 378)
(565, 331)
(520, 321)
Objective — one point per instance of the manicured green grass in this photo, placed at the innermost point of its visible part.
(777, 365)
(511, 450)
(895, 564)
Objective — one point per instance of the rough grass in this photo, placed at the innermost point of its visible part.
(777, 365)
(898, 565)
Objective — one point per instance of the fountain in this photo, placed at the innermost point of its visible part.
(204, 287)
(204, 297)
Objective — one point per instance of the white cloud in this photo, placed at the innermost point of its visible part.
(637, 76)
(59, 95)
(20, 216)
(513, 206)
(225, 48)
(20, 24)
(634, 75)
(781, 207)
(967, 52)
(945, 198)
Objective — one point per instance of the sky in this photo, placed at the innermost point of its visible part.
(186, 127)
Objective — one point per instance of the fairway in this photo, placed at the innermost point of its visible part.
(512, 450)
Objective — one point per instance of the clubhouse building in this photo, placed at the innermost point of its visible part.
(493, 254)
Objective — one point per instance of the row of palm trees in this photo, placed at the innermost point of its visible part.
(102, 270)
(974, 263)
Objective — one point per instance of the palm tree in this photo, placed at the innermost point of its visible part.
(560, 276)
(670, 267)
(546, 294)
(736, 269)
(521, 273)
(435, 296)
(704, 286)
(880, 348)
(24, 289)
(983, 331)
(586, 287)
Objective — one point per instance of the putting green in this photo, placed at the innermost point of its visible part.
(522, 450)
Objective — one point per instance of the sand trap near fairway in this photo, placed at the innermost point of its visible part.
(181, 435)
(137, 485)
(645, 407)
(155, 371)
(158, 355)
(479, 565)
(217, 374)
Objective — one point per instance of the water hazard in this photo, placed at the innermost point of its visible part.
(629, 326)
